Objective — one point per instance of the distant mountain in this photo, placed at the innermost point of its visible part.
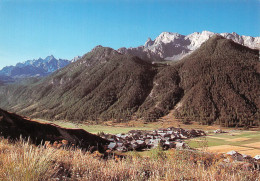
(174, 46)
(36, 67)
(1, 81)
(5, 79)
(217, 83)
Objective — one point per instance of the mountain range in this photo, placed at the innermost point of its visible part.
(166, 47)
(174, 46)
(33, 68)
(219, 82)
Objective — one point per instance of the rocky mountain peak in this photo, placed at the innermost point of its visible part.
(35, 67)
(174, 46)
(101, 52)
(98, 54)
(205, 32)
(76, 58)
(149, 42)
(97, 48)
(167, 37)
(48, 58)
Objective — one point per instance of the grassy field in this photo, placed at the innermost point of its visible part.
(237, 139)
(111, 129)
(246, 142)
(115, 128)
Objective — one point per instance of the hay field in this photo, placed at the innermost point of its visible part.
(245, 142)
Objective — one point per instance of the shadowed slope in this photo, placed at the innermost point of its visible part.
(13, 126)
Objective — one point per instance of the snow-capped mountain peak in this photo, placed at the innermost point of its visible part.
(75, 58)
(174, 46)
(48, 58)
(149, 42)
(167, 37)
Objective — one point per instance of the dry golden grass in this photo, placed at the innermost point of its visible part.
(251, 152)
(243, 150)
(254, 145)
(22, 161)
(227, 148)
(236, 134)
(221, 138)
(231, 140)
(238, 139)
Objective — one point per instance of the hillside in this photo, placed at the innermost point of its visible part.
(219, 82)
(103, 84)
(14, 127)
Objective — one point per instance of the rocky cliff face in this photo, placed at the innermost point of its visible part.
(174, 46)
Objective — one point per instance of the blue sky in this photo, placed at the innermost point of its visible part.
(67, 28)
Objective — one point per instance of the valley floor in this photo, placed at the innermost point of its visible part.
(242, 141)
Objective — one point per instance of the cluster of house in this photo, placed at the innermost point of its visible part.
(141, 139)
(219, 131)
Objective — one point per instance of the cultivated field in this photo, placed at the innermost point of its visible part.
(245, 142)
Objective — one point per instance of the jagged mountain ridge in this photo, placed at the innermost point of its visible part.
(219, 82)
(174, 46)
(36, 67)
(167, 46)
